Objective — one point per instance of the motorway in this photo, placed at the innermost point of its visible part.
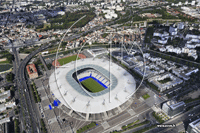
(28, 117)
(18, 95)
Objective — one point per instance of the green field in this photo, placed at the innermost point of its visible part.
(5, 67)
(67, 59)
(164, 80)
(92, 86)
(4, 62)
(146, 96)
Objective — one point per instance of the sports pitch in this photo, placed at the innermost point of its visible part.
(67, 59)
(92, 86)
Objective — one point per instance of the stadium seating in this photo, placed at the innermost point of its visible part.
(96, 75)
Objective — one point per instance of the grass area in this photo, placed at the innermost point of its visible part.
(92, 86)
(164, 80)
(43, 128)
(35, 93)
(10, 77)
(146, 96)
(65, 21)
(87, 127)
(16, 124)
(191, 100)
(130, 124)
(152, 86)
(4, 62)
(139, 124)
(67, 59)
(45, 26)
(28, 50)
(105, 35)
(158, 118)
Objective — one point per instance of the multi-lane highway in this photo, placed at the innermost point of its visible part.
(28, 118)
(28, 115)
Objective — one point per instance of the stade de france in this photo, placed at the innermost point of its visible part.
(76, 101)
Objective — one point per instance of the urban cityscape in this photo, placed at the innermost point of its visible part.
(99, 66)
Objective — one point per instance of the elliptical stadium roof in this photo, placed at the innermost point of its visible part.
(68, 91)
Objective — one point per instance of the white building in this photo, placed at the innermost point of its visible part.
(5, 120)
(173, 30)
(194, 127)
(180, 26)
(163, 86)
(61, 13)
(164, 34)
(118, 8)
(4, 95)
(190, 36)
(173, 108)
(163, 41)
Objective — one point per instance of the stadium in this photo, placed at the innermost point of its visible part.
(92, 89)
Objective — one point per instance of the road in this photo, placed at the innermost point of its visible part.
(176, 120)
(30, 120)
(29, 116)
(18, 95)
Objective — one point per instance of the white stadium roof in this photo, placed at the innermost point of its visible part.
(67, 90)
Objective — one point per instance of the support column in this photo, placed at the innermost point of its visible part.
(70, 112)
(87, 117)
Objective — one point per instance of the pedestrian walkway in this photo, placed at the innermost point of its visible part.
(105, 125)
(131, 112)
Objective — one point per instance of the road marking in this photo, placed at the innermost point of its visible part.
(40, 88)
(44, 98)
(50, 121)
(105, 125)
(155, 109)
(141, 99)
(131, 112)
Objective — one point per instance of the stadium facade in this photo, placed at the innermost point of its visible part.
(75, 100)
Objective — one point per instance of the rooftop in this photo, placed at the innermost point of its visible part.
(196, 125)
(73, 96)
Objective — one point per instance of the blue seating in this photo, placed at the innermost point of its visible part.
(95, 78)
(50, 107)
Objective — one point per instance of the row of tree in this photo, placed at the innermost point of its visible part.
(65, 21)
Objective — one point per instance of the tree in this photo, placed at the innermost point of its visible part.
(10, 77)
(10, 58)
